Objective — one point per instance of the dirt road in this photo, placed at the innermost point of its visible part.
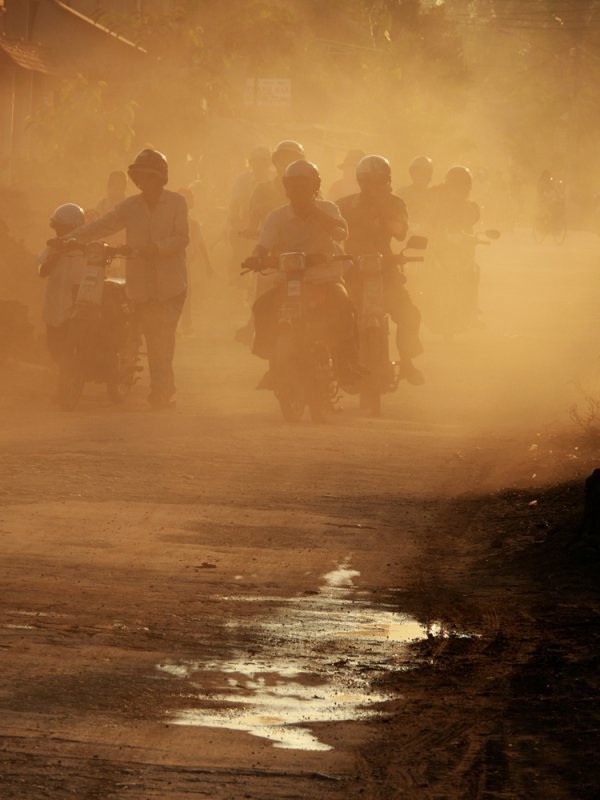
(212, 603)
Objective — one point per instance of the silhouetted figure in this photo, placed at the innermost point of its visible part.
(375, 216)
(347, 184)
(63, 272)
(417, 195)
(156, 227)
(266, 197)
(239, 223)
(314, 227)
(116, 192)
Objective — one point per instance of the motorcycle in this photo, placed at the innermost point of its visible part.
(104, 342)
(301, 364)
(381, 374)
(451, 283)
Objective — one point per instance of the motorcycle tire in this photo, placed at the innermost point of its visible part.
(287, 375)
(370, 396)
(70, 388)
(123, 368)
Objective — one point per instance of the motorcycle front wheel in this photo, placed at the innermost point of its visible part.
(123, 367)
(288, 378)
(373, 349)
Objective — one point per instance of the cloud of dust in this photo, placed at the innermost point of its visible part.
(497, 87)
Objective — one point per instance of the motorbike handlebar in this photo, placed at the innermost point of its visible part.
(68, 245)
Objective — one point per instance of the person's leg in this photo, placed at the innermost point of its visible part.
(148, 315)
(164, 327)
(407, 318)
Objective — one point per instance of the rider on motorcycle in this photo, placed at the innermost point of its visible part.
(417, 194)
(314, 227)
(453, 212)
(375, 216)
(64, 272)
(266, 197)
(271, 194)
(453, 219)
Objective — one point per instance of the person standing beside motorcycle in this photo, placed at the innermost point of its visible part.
(375, 216)
(316, 228)
(156, 227)
(63, 272)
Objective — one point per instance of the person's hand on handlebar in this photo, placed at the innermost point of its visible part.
(251, 264)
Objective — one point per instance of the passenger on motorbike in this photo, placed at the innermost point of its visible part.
(347, 183)
(314, 227)
(453, 212)
(375, 216)
(453, 219)
(271, 194)
(63, 271)
(238, 223)
(156, 226)
(266, 197)
(417, 194)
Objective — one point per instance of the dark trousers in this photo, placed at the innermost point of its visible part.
(404, 313)
(158, 320)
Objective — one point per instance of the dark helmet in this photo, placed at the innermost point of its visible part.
(68, 215)
(373, 170)
(459, 179)
(302, 171)
(421, 167)
(150, 161)
(289, 147)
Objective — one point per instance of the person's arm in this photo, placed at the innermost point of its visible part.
(111, 223)
(330, 216)
(48, 260)
(180, 237)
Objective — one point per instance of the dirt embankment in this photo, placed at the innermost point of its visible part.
(505, 704)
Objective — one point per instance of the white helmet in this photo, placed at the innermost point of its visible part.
(373, 169)
(69, 214)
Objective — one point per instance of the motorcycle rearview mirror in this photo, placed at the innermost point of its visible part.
(417, 243)
(492, 234)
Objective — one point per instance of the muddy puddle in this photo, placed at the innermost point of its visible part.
(318, 656)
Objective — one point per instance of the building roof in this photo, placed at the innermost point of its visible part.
(101, 28)
(33, 57)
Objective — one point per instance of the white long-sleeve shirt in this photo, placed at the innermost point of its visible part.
(165, 226)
